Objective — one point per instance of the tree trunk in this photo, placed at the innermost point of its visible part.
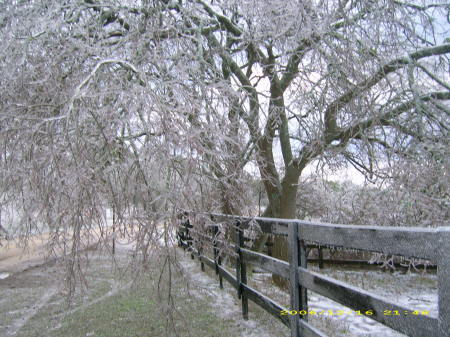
(286, 200)
(288, 209)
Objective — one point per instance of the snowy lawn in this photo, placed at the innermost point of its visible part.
(417, 291)
(414, 290)
(32, 304)
(227, 306)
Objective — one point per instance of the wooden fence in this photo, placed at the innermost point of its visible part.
(422, 243)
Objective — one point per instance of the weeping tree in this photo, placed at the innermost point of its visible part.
(215, 87)
(85, 126)
(356, 83)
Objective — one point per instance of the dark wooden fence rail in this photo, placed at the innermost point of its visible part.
(422, 243)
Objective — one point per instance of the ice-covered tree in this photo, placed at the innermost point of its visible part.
(212, 86)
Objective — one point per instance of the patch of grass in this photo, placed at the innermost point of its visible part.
(332, 328)
(126, 314)
(136, 311)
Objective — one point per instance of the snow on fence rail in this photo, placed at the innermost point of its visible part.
(423, 243)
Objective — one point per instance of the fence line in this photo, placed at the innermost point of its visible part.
(424, 243)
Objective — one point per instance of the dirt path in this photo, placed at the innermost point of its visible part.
(14, 259)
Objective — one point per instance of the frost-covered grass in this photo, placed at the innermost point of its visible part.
(415, 290)
(33, 305)
(228, 306)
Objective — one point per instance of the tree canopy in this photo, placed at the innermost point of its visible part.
(148, 105)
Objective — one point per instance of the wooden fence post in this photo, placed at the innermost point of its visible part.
(294, 278)
(297, 258)
(189, 238)
(217, 257)
(200, 253)
(183, 237)
(443, 273)
(303, 259)
(269, 245)
(238, 262)
(179, 236)
(320, 256)
(241, 270)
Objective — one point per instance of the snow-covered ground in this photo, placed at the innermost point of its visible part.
(414, 291)
(227, 306)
